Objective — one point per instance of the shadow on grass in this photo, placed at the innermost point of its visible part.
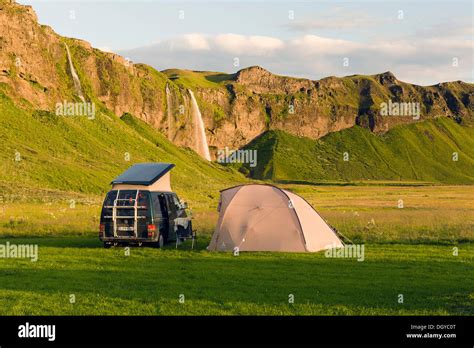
(263, 281)
(216, 78)
(91, 242)
(57, 242)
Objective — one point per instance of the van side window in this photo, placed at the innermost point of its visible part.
(171, 205)
(181, 213)
(159, 208)
(175, 200)
(111, 196)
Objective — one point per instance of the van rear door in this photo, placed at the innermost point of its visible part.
(126, 214)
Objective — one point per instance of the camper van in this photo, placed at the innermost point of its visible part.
(141, 209)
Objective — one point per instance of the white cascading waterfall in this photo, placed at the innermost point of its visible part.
(75, 77)
(169, 112)
(199, 131)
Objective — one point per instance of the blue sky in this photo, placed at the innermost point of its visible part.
(428, 42)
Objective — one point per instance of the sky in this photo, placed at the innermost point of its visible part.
(422, 42)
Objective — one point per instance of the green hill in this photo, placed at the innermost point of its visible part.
(422, 151)
(42, 151)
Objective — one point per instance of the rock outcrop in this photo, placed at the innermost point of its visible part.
(34, 71)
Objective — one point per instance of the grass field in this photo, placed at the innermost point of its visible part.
(52, 186)
(428, 214)
(408, 251)
(151, 281)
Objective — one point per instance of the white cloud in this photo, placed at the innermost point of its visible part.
(241, 44)
(312, 44)
(424, 60)
(339, 21)
(196, 42)
(187, 42)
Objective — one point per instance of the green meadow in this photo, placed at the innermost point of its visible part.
(76, 276)
(417, 232)
(422, 251)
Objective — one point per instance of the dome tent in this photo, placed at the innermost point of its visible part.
(258, 217)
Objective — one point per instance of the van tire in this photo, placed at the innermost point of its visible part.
(107, 245)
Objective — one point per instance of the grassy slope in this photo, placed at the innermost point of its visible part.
(198, 79)
(81, 155)
(150, 281)
(421, 151)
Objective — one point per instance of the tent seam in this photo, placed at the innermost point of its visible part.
(297, 218)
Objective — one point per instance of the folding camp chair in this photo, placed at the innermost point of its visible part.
(192, 237)
(183, 232)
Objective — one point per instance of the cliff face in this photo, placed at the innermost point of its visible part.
(33, 62)
(256, 100)
(236, 108)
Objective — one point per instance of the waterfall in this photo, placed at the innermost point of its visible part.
(169, 112)
(200, 132)
(75, 77)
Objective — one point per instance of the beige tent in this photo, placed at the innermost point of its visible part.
(267, 218)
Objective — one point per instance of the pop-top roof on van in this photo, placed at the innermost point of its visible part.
(143, 174)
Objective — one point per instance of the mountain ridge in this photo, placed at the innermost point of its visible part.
(404, 153)
(236, 108)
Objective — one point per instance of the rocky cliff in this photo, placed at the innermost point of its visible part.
(257, 100)
(36, 73)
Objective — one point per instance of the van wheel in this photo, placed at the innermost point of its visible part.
(107, 245)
